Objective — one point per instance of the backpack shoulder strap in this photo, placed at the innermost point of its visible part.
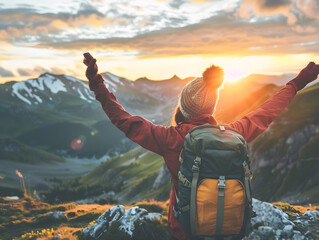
(195, 170)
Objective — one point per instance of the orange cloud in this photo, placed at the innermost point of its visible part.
(214, 38)
(268, 8)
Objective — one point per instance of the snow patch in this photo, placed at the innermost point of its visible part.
(81, 95)
(114, 78)
(24, 90)
(19, 87)
(76, 80)
(55, 85)
(36, 83)
(110, 83)
(37, 98)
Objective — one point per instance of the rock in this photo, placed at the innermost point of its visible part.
(311, 214)
(162, 177)
(56, 215)
(269, 215)
(126, 218)
(271, 223)
(297, 236)
(287, 232)
(308, 235)
(57, 236)
(266, 232)
(102, 224)
(278, 233)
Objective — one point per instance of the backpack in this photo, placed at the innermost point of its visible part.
(214, 184)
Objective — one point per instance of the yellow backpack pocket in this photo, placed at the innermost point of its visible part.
(206, 204)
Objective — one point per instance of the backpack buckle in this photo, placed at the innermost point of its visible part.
(196, 164)
(221, 183)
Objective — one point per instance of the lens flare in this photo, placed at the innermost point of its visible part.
(78, 143)
(93, 133)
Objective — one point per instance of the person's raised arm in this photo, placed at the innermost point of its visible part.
(257, 121)
(138, 129)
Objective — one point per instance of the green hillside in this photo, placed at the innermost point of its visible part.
(13, 150)
(130, 176)
(290, 151)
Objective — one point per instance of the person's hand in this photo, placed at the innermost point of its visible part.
(92, 68)
(307, 75)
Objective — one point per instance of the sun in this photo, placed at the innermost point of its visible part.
(233, 75)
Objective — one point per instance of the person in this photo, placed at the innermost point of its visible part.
(196, 106)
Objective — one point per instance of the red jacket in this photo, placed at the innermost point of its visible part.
(168, 141)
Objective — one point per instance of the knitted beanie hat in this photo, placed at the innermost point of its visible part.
(200, 95)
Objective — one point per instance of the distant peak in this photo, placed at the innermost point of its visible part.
(143, 78)
(175, 77)
(45, 74)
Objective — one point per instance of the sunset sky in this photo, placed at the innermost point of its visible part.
(157, 38)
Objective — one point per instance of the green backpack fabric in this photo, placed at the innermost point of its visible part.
(214, 188)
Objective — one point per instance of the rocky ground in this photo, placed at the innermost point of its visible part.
(271, 222)
(28, 219)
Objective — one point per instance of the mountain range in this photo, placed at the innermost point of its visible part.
(53, 129)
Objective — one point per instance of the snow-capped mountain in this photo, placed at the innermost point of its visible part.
(134, 95)
(39, 90)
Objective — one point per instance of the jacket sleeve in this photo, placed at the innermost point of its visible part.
(138, 129)
(257, 121)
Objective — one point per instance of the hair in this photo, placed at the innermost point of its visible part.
(213, 76)
(178, 117)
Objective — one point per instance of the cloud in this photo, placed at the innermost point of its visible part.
(97, 20)
(310, 8)
(27, 72)
(218, 36)
(268, 8)
(176, 3)
(265, 6)
(270, 5)
(56, 70)
(23, 72)
(164, 28)
(5, 73)
(38, 70)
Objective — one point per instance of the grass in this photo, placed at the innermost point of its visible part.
(294, 210)
(28, 220)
